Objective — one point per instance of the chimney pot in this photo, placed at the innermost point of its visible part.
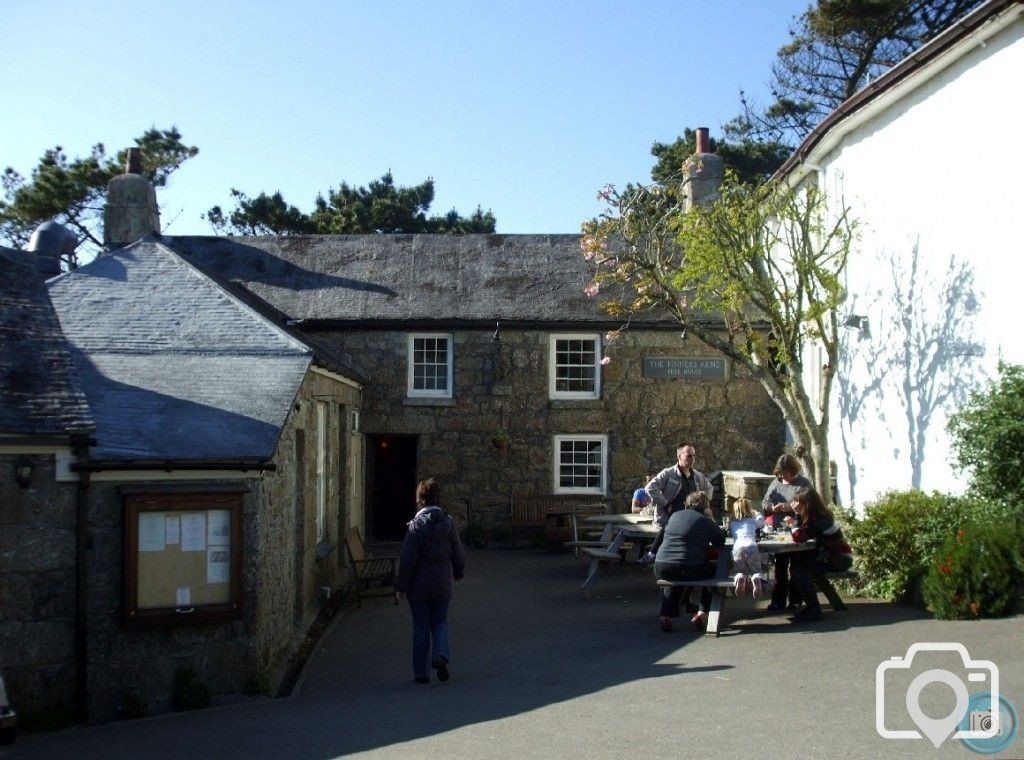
(133, 161)
(703, 140)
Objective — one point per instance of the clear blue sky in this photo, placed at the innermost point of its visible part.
(524, 107)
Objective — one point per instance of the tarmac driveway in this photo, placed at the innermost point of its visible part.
(539, 671)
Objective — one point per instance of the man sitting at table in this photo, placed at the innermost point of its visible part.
(683, 556)
(673, 484)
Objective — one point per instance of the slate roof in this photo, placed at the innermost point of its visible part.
(173, 366)
(366, 279)
(38, 394)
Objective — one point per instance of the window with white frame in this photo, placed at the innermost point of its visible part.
(575, 366)
(430, 365)
(581, 464)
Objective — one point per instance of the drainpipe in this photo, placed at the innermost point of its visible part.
(81, 451)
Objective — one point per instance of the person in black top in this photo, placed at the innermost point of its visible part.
(831, 552)
(683, 556)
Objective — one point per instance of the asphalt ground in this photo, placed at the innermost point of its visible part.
(540, 671)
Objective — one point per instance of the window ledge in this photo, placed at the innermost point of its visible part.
(428, 401)
(576, 403)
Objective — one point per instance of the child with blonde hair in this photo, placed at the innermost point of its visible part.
(746, 559)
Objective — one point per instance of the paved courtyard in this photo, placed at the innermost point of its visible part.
(539, 671)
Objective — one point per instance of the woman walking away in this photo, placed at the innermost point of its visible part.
(431, 558)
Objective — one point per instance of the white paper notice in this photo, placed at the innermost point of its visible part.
(173, 529)
(151, 531)
(184, 597)
(193, 533)
(218, 527)
(217, 564)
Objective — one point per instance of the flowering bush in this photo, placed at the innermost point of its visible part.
(976, 572)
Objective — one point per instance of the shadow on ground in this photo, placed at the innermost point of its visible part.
(535, 663)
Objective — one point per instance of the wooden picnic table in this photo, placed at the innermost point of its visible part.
(722, 580)
(616, 533)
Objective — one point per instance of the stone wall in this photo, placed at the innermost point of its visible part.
(37, 587)
(287, 580)
(282, 574)
(504, 384)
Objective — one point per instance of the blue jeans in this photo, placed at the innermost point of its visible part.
(429, 634)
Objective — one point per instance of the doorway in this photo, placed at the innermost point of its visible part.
(391, 465)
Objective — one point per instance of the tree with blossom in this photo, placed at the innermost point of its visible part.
(755, 275)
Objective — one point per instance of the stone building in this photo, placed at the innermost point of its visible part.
(43, 413)
(207, 507)
(466, 337)
(254, 398)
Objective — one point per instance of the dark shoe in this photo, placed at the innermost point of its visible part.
(808, 615)
(441, 666)
(795, 606)
(422, 679)
(666, 624)
(775, 607)
(691, 608)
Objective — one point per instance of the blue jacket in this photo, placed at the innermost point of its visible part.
(431, 557)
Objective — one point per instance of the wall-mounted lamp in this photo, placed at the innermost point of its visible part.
(23, 473)
(497, 332)
(858, 322)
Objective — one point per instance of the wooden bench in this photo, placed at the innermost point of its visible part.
(824, 584)
(721, 587)
(367, 568)
(541, 511)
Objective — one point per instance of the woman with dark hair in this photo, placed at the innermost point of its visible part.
(832, 553)
(431, 558)
(683, 556)
(788, 481)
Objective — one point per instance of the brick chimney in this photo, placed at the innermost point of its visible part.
(131, 211)
(703, 173)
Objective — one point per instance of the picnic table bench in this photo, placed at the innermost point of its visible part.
(617, 530)
(721, 582)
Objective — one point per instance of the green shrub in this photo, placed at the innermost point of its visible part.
(189, 693)
(976, 572)
(988, 436)
(882, 541)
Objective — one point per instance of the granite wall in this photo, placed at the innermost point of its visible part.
(503, 384)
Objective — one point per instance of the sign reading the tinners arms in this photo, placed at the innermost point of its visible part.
(690, 367)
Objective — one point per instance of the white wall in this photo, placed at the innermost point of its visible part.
(942, 168)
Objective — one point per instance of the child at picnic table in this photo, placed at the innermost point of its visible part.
(746, 559)
(642, 502)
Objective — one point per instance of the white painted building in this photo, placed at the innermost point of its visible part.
(929, 158)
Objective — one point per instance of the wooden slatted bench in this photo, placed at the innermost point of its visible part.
(538, 512)
(367, 568)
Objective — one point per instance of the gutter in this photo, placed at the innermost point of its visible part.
(910, 65)
(170, 466)
(313, 325)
